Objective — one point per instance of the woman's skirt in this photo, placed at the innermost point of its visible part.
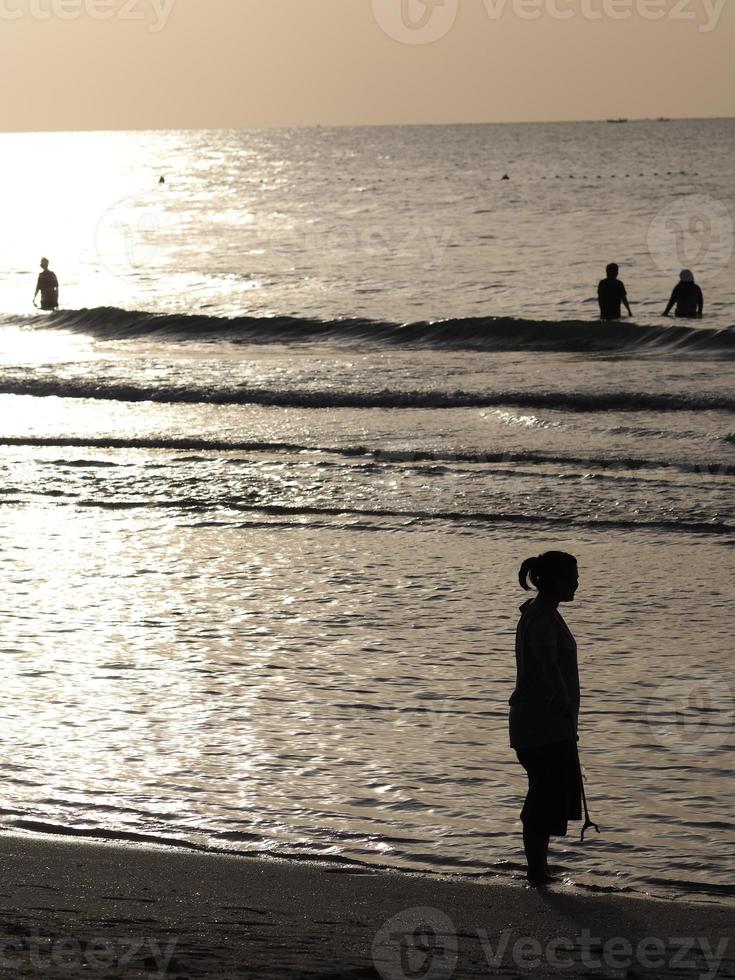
(554, 788)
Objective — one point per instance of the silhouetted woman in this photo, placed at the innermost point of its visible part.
(687, 297)
(545, 706)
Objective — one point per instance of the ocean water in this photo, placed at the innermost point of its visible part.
(269, 475)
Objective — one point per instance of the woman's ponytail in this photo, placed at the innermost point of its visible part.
(529, 567)
(545, 568)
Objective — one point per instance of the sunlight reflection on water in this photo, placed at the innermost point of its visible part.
(290, 630)
(346, 693)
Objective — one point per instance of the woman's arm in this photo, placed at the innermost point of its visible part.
(624, 298)
(672, 301)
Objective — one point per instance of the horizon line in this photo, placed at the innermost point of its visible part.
(386, 125)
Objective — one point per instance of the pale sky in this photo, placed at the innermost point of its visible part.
(137, 64)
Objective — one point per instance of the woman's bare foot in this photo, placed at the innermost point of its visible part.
(537, 879)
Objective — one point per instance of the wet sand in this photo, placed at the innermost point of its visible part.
(73, 908)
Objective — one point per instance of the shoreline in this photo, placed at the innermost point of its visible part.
(512, 873)
(74, 907)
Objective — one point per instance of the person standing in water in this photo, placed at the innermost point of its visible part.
(48, 287)
(612, 294)
(687, 297)
(544, 708)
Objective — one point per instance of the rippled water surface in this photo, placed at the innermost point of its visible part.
(259, 583)
(406, 223)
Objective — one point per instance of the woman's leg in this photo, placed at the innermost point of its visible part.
(541, 814)
(536, 846)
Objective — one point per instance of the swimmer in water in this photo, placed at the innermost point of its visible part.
(48, 287)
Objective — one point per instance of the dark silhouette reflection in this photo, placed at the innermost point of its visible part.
(48, 287)
(544, 708)
(687, 297)
(612, 295)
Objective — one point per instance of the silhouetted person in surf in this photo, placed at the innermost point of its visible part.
(611, 294)
(544, 708)
(48, 287)
(687, 297)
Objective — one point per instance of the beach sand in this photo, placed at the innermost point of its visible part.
(73, 908)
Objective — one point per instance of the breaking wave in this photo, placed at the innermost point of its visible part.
(573, 401)
(477, 333)
(708, 468)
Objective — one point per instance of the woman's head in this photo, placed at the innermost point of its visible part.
(553, 573)
(686, 275)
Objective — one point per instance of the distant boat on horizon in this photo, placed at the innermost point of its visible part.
(617, 121)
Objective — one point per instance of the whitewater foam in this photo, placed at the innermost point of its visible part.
(573, 401)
